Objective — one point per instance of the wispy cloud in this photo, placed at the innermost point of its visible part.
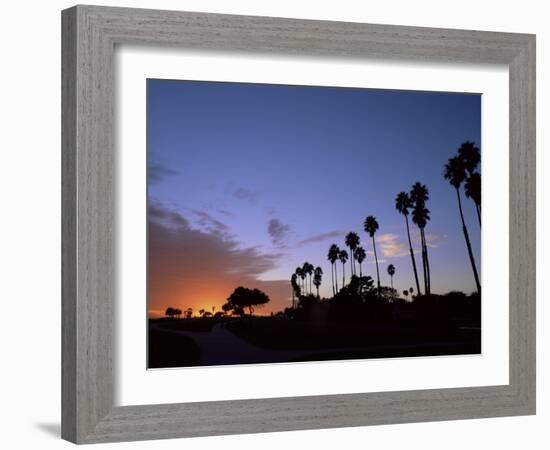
(319, 238)
(210, 224)
(157, 173)
(243, 193)
(278, 232)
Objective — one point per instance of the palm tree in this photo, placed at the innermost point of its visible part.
(391, 273)
(308, 270)
(470, 156)
(302, 275)
(317, 278)
(360, 255)
(352, 241)
(472, 188)
(421, 215)
(403, 204)
(343, 257)
(371, 226)
(455, 173)
(295, 288)
(333, 254)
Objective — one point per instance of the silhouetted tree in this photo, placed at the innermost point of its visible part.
(295, 289)
(470, 156)
(333, 255)
(472, 188)
(201, 312)
(371, 227)
(318, 278)
(308, 270)
(242, 298)
(455, 173)
(177, 312)
(189, 313)
(406, 293)
(170, 312)
(403, 204)
(302, 275)
(343, 257)
(360, 255)
(421, 215)
(391, 273)
(352, 241)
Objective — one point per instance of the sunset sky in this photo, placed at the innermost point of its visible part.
(248, 181)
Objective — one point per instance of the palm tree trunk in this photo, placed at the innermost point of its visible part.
(412, 257)
(360, 270)
(343, 274)
(376, 259)
(424, 263)
(467, 239)
(336, 276)
(425, 246)
(332, 278)
(478, 210)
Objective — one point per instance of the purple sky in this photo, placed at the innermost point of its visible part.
(268, 176)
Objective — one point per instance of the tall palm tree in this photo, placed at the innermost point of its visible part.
(352, 241)
(360, 255)
(472, 188)
(391, 273)
(317, 278)
(371, 227)
(332, 256)
(403, 204)
(302, 275)
(295, 288)
(343, 257)
(455, 173)
(470, 156)
(421, 215)
(308, 270)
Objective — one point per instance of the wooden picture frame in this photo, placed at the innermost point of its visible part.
(90, 34)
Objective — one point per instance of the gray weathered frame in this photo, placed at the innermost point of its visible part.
(89, 36)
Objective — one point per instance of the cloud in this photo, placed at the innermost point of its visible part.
(390, 245)
(278, 231)
(211, 224)
(157, 173)
(245, 194)
(189, 267)
(320, 237)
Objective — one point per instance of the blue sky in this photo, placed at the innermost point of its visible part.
(278, 173)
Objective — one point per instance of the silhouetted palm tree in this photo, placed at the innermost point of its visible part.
(360, 255)
(472, 188)
(421, 215)
(343, 257)
(391, 273)
(371, 226)
(470, 156)
(308, 270)
(352, 241)
(302, 275)
(317, 278)
(455, 173)
(295, 289)
(403, 204)
(333, 255)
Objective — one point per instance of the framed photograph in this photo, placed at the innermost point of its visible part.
(268, 222)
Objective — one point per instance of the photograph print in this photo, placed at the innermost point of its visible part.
(292, 224)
